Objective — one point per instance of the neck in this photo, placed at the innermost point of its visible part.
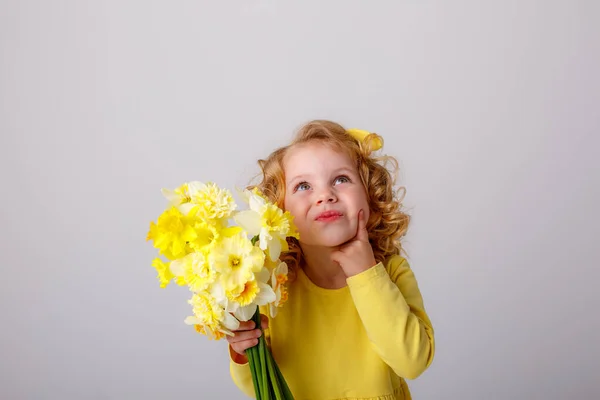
(320, 269)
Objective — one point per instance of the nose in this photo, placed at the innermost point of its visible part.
(326, 196)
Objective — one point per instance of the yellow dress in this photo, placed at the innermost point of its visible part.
(357, 342)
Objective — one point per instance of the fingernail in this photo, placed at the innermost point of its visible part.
(258, 333)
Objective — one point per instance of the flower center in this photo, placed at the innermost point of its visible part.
(235, 262)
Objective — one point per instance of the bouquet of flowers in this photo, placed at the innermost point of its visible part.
(229, 260)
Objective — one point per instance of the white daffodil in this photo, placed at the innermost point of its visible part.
(279, 277)
(236, 260)
(179, 197)
(267, 221)
(243, 300)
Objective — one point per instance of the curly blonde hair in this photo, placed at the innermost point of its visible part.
(387, 222)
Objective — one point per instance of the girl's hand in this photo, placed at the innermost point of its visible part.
(356, 255)
(246, 336)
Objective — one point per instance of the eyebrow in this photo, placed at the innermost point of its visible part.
(335, 172)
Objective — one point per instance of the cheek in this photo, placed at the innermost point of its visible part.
(293, 207)
(288, 204)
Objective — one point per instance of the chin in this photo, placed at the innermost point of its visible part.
(333, 240)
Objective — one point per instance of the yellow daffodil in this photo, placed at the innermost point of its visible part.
(269, 222)
(279, 277)
(244, 299)
(236, 259)
(227, 272)
(164, 274)
(210, 202)
(171, 233)
(195, 271)
(207, 235)
(245, 294)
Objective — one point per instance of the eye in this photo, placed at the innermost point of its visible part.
(342, 179)
(302, 186)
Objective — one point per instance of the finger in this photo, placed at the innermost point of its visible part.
(336, 256)
(361, 227)
(241, 347)
(264, 321)
(244, 335)
(246, 325)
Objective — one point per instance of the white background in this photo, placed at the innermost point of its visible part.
(491, 108)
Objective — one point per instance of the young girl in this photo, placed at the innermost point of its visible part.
(354, 325)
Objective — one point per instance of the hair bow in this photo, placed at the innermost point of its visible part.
(361, 135)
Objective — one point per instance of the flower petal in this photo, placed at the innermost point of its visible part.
(171, 196)
(185, 208)
(249, 220)
(256, 203)
(232, 306)
(218, 292)
(262, 275)
(195, 186)
(282, 269)
(230, 322)
(273, 310)
(176, 267)
(244, 194)
(266, 294)
(193, 321)
(274, 249)
(246, 312)
(265, 238)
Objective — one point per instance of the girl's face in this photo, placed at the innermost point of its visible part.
(324, 193)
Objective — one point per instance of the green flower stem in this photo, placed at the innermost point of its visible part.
(287, 393)
(264, 369)
(259, 371)
(275, 381)
(252, 355)
(269, 383)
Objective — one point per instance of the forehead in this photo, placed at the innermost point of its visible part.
(313, 157)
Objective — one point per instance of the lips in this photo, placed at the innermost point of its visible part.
(328, 216)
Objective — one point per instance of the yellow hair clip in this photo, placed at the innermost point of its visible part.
(361, 135)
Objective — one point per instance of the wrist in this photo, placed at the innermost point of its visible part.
(237, 357)
(355, 271)
(240, 359)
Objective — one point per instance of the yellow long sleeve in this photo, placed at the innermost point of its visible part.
(357, 342)
(390, 306)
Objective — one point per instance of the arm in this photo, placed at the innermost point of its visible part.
(390, 306)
